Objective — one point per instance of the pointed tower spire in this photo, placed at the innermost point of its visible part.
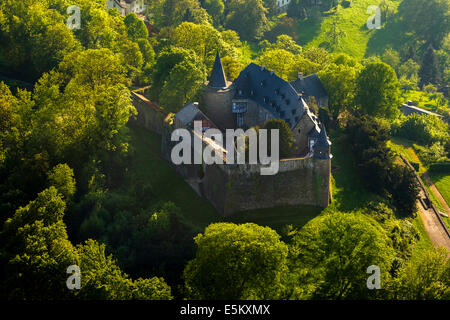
(218, 79)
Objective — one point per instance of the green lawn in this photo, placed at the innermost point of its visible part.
(424, 242)
(442, 182)
(358, 40)
(148, 167)
(405, 148)
(422, 100)
(349, 192)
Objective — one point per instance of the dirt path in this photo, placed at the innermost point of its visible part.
(433, 226)
(437, 193)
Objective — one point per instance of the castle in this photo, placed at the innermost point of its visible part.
(256, 96)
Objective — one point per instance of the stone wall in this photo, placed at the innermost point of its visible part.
(232, 189)
(235, 188)
(149, 116)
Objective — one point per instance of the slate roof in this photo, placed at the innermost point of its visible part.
(310, 86)
(322, 145)
(218, 79)
(190, 113)
(274, 94)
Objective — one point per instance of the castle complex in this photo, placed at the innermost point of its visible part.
(256, 96)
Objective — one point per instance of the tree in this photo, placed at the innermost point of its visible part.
(204, 40)
(34, 38)
(405, 190)
(271, 6)
(340, 83)
(367, 138)
(331, 254)
(61, 177)
(334, 32)
(286, 137)
(37, 251)
(173, 12)
(247, 17)
(429, 70)
(392, 58)
(409, 70)
(215, 8)
(427, 278)
(103, 279)
(236, 262)
(378, 91)
(286, 42)
(429, 21)
(232, 67)
(178, 76)
(135, 27)
(282, 62)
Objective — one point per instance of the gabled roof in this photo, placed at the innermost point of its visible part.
(310, 86)
(218, 79)
(274, 94)
(190, 113)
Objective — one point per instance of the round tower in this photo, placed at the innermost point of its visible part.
(218, 97)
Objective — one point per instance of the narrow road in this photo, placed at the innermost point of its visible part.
(433, 226)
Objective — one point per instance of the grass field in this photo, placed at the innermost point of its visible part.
(166, 185)
(358, 40)
(421, 99)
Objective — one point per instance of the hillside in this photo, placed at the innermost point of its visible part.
(358, 40)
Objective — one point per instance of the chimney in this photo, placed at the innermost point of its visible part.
(410, 103)
(300, 75)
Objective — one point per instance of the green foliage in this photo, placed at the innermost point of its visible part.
(236, 262)
(33, 37)
(37, 251)
(368, 138)
(215, 8)
(178, 76)
(103, 279)
(340, 83)
(378, 90)
(427, 278)
(135, 27)
(428, 20)
(283, 42)
(331, 255)
(286, 137)
(170, 13)
(392, 58)
(204, 40)
(426, 129)
(232, 67)
(429, 70)
(247, 17)
(61, 177)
